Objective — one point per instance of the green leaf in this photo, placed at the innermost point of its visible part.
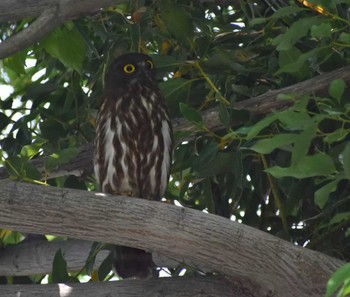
(302, 144)
(178, 21)
(335, 136)
(67, 45)
(322, 194)
(309, 166)
(191, 114)
(62, 157)
(208, 196)
(344, 37)
(222, 162)
(339, 217)
(224, 115)
(59, 269)
(4, 121)
(346, 160)
(267, 146)
(206, 154)
(286, 11)
(174, 90)
(16, 62)
(297, 30)
(255, 130)
(30, 150)
(21, 168)
(300, 62)
(339, 278)
(321, 31)
(105, 267)
(336, 89)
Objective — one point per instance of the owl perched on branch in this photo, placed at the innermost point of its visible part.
(133, 144)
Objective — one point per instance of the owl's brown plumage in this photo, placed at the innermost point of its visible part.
(133, 143)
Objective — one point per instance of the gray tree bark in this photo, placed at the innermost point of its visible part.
(165, 287)
(36, 257)
(271, 266)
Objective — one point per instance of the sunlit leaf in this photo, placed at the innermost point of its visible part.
(309, 166)
(67, 45)
(338, 279)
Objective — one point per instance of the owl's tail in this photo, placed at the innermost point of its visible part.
(133, 263)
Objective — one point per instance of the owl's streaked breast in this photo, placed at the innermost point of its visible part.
(133, 145)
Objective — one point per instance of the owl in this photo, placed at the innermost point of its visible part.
(133, 144)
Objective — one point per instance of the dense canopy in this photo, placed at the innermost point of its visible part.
(257, 92)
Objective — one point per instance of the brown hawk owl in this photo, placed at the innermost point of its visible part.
(133, 144)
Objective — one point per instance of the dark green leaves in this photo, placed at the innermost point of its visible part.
(191, 114)
(59, 269)
(177, 21)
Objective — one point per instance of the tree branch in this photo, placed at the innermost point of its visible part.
(43, 25)
(204, 241)
(51, 14)
(15, 10)
(36, 257)
(206, 286)
(260, 105)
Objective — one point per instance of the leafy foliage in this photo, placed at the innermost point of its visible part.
(286, 173)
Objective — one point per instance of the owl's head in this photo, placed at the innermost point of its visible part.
(131, 69)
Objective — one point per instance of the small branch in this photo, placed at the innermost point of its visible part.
(203, 241)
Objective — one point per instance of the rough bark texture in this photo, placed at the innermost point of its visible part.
(165, 287)
(205, 241)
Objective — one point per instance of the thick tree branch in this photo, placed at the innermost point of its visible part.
(260, 105)
(204, 241)
(170, 287)
(36, 257)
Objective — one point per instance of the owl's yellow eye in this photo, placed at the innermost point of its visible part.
(149, 64)
(129, 68)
